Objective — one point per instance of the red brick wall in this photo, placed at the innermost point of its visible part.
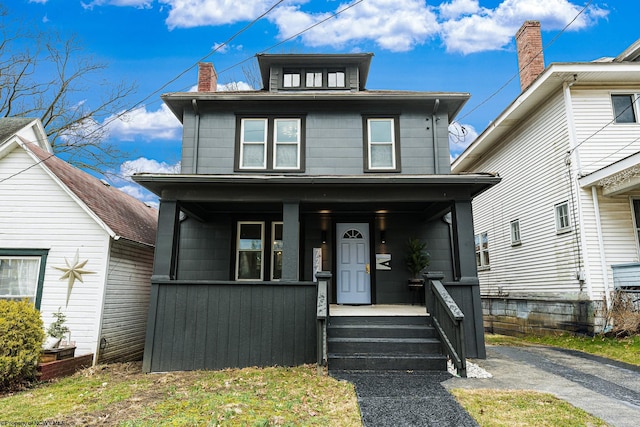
(62, 368)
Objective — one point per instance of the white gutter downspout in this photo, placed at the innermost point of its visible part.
(574, 160)
(196, 137)
(603, 260)
(434, 119)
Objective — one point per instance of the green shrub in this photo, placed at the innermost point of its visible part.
(21, 338)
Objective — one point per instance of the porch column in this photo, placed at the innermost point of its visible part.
(466, 289)
(290, 240)
(464, 252)
(166, 253)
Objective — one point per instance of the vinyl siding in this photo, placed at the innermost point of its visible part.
(36, 213)
(534, 180)
(126, 302)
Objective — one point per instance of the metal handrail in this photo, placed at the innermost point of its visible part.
(448, 320)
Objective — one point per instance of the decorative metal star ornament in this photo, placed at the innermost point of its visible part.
(72, 272)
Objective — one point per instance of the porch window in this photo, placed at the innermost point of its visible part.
(636, 218)
(624, 108)
(22, 274)
(276, 251)
(562, 217)
(515, 233)
(381, 144)
(249, 251)
(270, 143)
(482, 250)
(291, 78)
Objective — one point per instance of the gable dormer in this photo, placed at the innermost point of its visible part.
(314, 72)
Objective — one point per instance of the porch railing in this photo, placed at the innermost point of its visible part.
(448, 320)
(322, 316)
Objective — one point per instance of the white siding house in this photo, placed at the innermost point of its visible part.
(562, 221)
(58, 222)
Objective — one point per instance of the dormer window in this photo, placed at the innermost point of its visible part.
(291, 78)
(314, 79)
(335, 78)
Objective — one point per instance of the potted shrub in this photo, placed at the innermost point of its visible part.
(417, 260)
(55, 332)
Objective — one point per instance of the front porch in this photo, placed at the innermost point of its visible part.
(377, 310)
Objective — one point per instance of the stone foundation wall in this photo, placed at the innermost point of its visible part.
(62, 368)
(520, 316)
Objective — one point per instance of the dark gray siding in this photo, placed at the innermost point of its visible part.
(205, 249)
(215, 326)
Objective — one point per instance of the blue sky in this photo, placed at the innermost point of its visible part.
(455, 45)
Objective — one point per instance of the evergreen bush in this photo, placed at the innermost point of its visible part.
(21, 338)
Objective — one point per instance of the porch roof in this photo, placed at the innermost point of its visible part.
(617, 178)
(313, 188)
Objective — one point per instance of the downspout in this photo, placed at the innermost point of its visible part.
(603, 261)
(196, 137)
(434, 120)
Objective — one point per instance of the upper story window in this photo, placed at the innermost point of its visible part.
(625, 108)
(381, 141)
(335, 78)
(291, 78)
(314, 79)
(269, 143)
(563, 224)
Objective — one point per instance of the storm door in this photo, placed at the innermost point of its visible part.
(353, 265)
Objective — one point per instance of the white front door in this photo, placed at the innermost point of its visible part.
(353, 278)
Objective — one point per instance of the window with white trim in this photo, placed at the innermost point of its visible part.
(482, 250)
(636, 218)
(625, 107)
(270, 143)
(563, 223)
(291, 78)
(381, 144)
(22, 274)
(515, 232)
(249, 250)
(335, 78)
(314, 79)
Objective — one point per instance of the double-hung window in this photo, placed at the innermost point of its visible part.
(291, 78)
(314, 79)
(482, 250)
(270, 143)
(22, 274)
(625, 107)
(515, 232)
(335, 78)
(381, 144)
(563, 224)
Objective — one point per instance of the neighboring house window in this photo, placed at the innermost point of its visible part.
(335, 79)
(381, 144)
(269, 143)
(276, 251)
(636, 214)
(515, 232)
(482, 250)
(314, 79)
(22, 274)
(624, 108)
(562, 217)
(291, 78)
(249, 251)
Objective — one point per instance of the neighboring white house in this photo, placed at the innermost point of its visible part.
(70, 242)
(561, 231)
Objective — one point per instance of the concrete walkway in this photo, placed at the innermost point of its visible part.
(606, 389)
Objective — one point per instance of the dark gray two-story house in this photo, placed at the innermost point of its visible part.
(313, 172)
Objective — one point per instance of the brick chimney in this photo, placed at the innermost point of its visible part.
(207, 77)
(530, 58)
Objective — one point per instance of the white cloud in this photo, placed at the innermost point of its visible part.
(457, 8)
(144, 165)
(460, 137)
(234, 86)
(395, 25)
(493, 29)
(140, 4)
(198, 13)
(159, 124)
